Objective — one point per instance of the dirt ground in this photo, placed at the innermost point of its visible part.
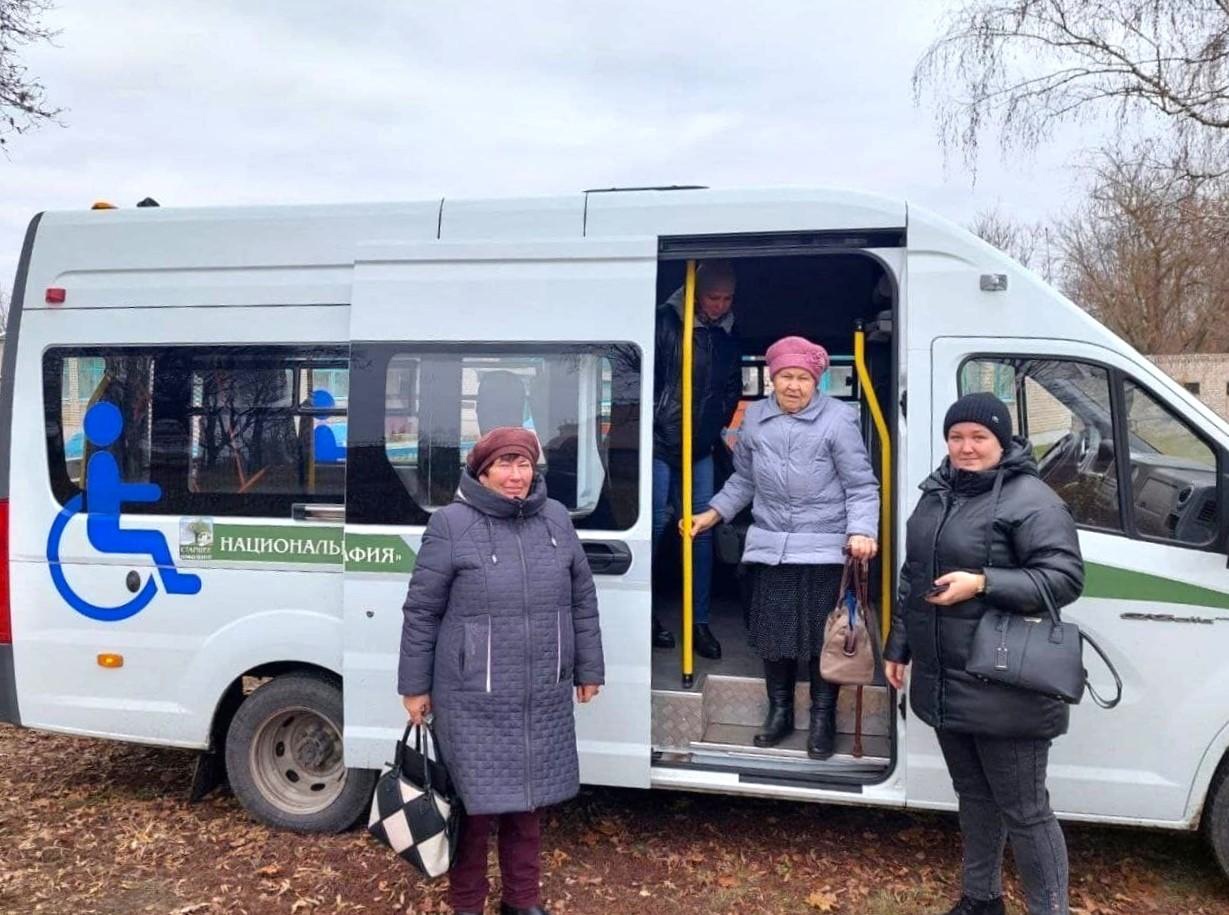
(97, 827)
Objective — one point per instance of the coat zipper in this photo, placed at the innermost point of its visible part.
(488, 653)
(948, 503)
(520, 547)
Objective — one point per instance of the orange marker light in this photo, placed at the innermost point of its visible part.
(102, 205)
(110, 660)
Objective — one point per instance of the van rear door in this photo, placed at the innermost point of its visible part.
(448, 340)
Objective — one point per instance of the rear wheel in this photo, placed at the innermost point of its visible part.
(1216, 817)
(284, 757)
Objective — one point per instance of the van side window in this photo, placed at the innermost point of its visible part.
(1090, 446)
(233, 431)
(1063, 408)
(1173, 473)
(433, 403)
(80, 382)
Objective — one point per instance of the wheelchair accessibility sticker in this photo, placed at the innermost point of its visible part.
(201, 539)
(105, 495)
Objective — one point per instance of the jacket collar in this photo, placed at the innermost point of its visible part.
(1017, 461)
(676, 302)
(490, 503)
(809, 413)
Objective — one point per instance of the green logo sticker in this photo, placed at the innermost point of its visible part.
(205, 540)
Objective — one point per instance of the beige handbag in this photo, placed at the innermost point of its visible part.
(848, 655)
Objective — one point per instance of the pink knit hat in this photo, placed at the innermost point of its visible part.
(797, 353)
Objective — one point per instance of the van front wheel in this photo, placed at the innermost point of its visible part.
(1216, 816)
(284, 757)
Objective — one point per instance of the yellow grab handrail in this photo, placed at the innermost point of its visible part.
(689, 314)
(885, 495)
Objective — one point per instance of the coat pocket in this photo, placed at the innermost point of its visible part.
(565, 646)
(476, 655)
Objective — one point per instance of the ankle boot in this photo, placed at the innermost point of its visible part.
(779, 679)
(821, 740)
(969, 906)
(705, 642)
(662, 637)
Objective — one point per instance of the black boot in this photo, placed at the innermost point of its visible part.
(821, 741)
(779, 679)
(505, 909)
(705, 643)
(970, 906)
(662, 637)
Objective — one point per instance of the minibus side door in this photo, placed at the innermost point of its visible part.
(1143, 475)
(449, 340)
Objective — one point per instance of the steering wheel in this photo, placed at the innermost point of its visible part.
(1088, 447)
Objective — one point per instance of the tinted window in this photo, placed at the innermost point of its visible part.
(1063, 409)
(1066, 410)
(1173, 473)
(228, 431)
(418, 410)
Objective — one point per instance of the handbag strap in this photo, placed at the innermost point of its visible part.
(1113, 672)
(426, 744)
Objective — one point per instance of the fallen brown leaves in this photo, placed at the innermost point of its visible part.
(95, 827)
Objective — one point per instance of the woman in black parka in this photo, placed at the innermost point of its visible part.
(985, 533)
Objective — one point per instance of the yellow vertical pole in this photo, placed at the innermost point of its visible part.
(885, 494)
(689, 315)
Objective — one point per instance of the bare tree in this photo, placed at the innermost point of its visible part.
(23, 103)
(1030, 243)
(1148, 255)
(1027, 66)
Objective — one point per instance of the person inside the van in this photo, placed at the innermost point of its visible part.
(987, 533)
(801, 464)
(501, 576)
(105, 495)
(716, 391)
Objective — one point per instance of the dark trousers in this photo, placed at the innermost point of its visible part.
(520, 840)
(1001, 784)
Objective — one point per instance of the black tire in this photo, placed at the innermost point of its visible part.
(1215, 823)
(283, 757)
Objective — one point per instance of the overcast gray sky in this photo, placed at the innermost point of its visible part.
(199, 102)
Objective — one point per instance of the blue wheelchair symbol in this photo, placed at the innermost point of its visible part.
(106, 493)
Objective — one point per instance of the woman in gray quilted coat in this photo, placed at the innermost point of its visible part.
(500, 625)
(801, 465)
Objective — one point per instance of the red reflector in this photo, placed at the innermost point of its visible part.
(55, 295)
(6, 618)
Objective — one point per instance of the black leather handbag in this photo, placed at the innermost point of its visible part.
(1039, 654)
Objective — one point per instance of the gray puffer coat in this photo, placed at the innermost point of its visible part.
(500, 623)
(807, 478)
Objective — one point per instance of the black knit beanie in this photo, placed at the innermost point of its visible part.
(984, 409)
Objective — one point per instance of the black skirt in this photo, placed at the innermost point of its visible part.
(789, 608)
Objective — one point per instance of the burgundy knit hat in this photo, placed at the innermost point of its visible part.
(500, 441)
(796, 353)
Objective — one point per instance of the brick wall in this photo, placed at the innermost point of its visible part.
(1210, 371)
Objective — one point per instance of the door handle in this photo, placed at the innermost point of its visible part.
(607, 557)
(305, 511)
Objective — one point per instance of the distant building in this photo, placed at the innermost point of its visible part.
(1206, 375)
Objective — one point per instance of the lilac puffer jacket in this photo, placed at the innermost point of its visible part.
(808, 479)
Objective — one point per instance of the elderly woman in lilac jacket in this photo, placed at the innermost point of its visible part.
(801, 464)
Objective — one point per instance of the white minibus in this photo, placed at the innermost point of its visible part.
(223, 430)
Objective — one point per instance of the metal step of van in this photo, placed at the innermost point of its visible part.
(733, 744)
(684, 721)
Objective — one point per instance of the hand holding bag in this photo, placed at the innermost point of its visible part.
(1040, 654)
(415, 810)
(848, 655)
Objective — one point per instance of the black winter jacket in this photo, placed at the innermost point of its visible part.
(717, 382)
(959, 526)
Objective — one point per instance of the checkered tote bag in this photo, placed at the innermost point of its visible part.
(415, 810)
